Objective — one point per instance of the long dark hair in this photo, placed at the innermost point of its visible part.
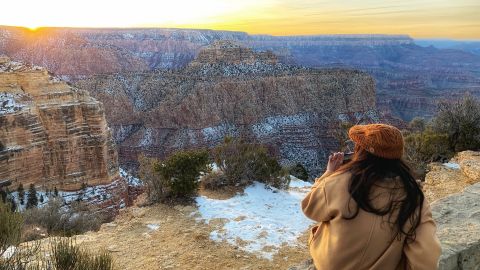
(368, 171)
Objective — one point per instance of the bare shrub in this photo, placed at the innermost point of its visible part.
(460, 120)
(214, 180)
(59, 219)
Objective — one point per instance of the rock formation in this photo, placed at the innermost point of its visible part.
(52, 134)
(232, 90)
(410, 78)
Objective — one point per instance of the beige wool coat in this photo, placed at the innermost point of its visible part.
(367, 241)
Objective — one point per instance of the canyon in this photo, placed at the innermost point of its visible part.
(53, 135)
(231, 90)
(410, 79)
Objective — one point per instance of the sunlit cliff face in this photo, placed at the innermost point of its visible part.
(419, 18)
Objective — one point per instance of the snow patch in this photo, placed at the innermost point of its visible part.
(8, 104)
(297, 183)
(262, 218)
(153, 227)
(147, 138)
(452, 165)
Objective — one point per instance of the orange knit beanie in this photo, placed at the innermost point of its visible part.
(378, 139)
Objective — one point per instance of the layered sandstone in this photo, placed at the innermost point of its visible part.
(232, 90)
(51, 134)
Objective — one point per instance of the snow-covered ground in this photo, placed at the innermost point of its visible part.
(261, 219)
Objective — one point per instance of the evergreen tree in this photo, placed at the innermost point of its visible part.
(21, 194)
(32, 200)
(55, 192)
(3, 195)
(13, 204)
(41, 198)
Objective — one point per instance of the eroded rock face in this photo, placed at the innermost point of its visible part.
(232, 90)
(52, 135)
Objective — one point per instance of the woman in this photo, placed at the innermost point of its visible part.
(372, 213)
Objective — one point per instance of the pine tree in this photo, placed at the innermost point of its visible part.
(55, 192)
(3, 195)
(13, 204)
(41, 198)
(32, 200)
(21, 194)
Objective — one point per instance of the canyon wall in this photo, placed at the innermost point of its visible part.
(51, 134)
(232, 90)
(410, 79)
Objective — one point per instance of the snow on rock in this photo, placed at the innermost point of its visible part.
(262, 219)
(131, 180)
(452, 165)
(8, 104)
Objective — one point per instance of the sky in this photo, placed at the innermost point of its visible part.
(456, 19)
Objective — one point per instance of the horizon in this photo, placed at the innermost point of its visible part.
(425, 19)
(239, 31)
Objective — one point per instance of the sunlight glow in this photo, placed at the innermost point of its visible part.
(419, 18)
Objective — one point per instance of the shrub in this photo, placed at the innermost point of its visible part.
(68, 256)
(10, 227)
(460, 120)
(175, 177)
(2, 146)
(299, 172)
(214, 180)
(242, 163)
(13, 257)
(424, 145)
(58, 219)
(417, 124)
(181, 171)
(156, 187)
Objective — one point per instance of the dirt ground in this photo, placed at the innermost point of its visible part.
(179, 242)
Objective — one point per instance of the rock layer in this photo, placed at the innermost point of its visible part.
(51, 133)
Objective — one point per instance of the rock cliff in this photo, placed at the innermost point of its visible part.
(232, 90)
(52, 134)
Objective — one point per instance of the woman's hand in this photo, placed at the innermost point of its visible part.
(335, 160)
